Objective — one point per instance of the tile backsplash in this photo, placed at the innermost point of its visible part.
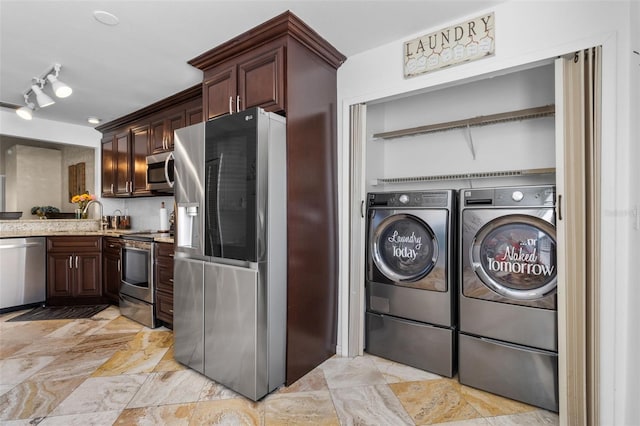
(144, 212)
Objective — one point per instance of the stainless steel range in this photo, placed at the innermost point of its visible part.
(137, 287)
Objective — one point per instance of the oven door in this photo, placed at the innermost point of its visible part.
(136, 274)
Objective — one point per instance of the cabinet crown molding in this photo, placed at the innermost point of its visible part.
(190, 94)
(282, 25)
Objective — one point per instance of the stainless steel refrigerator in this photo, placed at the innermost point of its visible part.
(230, 264)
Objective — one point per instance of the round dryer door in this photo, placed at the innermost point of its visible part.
(404, 248)
(515, 256)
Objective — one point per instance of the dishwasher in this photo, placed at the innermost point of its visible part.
(22, 273)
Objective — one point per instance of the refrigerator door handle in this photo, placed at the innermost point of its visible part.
(218, 205)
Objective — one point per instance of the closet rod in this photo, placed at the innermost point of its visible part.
(482, 120)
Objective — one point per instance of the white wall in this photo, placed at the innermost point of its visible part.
(34, 179)
(516, 145)
(53, 131)
(528, 32)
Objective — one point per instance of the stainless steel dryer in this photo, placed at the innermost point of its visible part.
(508, 341)
(410, 300)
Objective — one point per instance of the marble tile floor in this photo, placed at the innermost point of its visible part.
(110, 370)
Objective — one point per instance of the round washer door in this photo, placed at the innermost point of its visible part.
(515, 256)
(404, 248)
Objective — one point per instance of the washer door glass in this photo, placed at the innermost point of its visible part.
(515, 256)
(404, 248)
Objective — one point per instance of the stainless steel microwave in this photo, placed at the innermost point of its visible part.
(160, 172)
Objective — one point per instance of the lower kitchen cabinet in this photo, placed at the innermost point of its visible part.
(164, 282)
(111, 269)
(74, 270)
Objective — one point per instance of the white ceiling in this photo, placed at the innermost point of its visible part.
(115, 70)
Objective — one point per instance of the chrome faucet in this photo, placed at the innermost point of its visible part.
(89, 204)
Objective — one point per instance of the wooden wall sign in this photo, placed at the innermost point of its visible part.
(468, 41)
(77, 183)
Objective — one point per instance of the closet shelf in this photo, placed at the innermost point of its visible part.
(464, 176)
(483, 120)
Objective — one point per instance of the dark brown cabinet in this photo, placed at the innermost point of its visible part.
(73, 270)
(111, 269)
(162, 128)
(253, 79)
(285, 67)
(164, 282)
(124, 165)
(128, 140)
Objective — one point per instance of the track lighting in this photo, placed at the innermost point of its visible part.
(60, 89)
(26, 111)
(43, 99)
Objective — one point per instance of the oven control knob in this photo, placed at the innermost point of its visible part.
(517, 196)
(404, 199)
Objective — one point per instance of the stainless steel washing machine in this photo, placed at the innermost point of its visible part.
(508, 340)
(410, 276)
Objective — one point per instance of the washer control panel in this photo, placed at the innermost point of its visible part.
(411, 199)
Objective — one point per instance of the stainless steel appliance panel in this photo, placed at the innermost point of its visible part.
(474, 221)
(512, 371)
(416, 344)
(431, 250)
(410, 303)
(137, 310)
(136, 273)
(512, 323)
(188, 318)
(23, 264)
(235, 331)
(160, 172)
(189, 189)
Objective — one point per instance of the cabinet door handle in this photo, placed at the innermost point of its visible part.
(170, 311)
(230, 104)
(238, 103)
(112, 188)
(76, 262)
(171, 280)
(111, 246)
(118, 265)
(70, 260)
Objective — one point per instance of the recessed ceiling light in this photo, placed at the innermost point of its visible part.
(106, 17)
(94, 120)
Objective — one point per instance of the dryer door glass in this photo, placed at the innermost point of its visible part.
(515, 256)
(404, 248)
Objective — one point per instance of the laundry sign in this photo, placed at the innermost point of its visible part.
(464, 42)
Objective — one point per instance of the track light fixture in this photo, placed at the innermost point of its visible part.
(60, 89)
(43, 99)
(26, 111)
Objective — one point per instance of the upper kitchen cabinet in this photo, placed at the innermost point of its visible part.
(253, 79)
(284, 66)
(162, 130)
(164, 124)
(124, 162)
(128, 140)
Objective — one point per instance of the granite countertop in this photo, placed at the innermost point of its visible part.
(64, 227)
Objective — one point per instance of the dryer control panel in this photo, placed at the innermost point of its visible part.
(517, 196)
